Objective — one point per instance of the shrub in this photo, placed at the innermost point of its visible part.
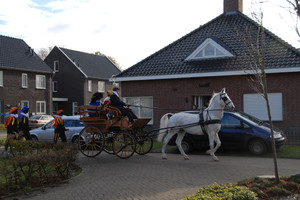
(33, 163)
(223, 192)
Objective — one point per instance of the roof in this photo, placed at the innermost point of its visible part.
(226, 30)
(93, 66)
(16, 54)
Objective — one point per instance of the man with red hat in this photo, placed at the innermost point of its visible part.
(11, 125)
(59, 128)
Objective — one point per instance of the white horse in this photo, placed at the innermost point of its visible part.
(183, 122)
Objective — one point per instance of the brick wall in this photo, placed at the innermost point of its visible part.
(12, 92)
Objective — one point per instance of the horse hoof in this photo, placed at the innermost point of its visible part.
(164, 157)
(186, 158)
(207, 152)
(216, 159)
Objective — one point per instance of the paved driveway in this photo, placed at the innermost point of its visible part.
(151, 178)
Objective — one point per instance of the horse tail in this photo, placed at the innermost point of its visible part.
(163, 125)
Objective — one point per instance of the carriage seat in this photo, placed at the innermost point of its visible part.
(115, 111)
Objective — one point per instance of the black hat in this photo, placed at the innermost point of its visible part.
(116, 88)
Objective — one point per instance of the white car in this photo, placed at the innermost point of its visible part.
(45, 133)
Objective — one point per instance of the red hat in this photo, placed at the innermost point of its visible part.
(13, 109)
(59, 112)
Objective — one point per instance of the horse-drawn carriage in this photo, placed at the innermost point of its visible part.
(106, 129)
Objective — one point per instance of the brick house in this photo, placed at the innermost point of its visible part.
(185, 73)
(77, 77)
(24, 78)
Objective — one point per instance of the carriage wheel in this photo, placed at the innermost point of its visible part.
(144, 145)
(124, 145)
(91, 141)
(108, 142)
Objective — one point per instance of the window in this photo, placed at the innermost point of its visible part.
(90, 86)
(54, 86)
(24, 80)
(24, 103)
(41, 107)
(101, 86)
(1, 78)
(143, 106)
(230, 122)
(200, 101)
(56, 66)
(74, 108)
(40, 82)
(255, 105)
(209, 49)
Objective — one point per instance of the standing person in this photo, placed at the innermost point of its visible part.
(59, 128)
(24, 124)
(116, 102)
(11, 125)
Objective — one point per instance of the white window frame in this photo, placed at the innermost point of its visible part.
(74, 107)
(138, 107)
(255, 105)
(90, 86)
(24, 80)
(40, 81)
(201, 49)
(101, 86)
(1, 78)
(56, 66)
(54, 86)
(24, 103)
(39, 105)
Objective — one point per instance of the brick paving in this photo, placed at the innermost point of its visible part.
(107, 177)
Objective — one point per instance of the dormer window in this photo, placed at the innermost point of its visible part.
(209, 49)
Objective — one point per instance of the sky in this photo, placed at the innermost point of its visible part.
(127, 30)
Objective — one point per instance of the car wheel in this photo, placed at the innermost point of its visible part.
(257, 147)
(75, 140)
(186, 146)
(34, 138)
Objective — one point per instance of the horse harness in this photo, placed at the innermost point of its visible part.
(203, 123)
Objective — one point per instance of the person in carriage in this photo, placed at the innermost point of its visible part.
(96, 101)
(116, 102)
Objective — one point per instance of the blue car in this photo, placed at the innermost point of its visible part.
(238, 131)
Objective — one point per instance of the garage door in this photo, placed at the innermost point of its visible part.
(255, 104)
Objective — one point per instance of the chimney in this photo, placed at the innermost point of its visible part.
(233, 5)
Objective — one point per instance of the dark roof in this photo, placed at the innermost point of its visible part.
(93, 66)
(16, 54)
(227, 29)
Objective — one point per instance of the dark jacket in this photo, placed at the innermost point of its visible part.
(23, 123)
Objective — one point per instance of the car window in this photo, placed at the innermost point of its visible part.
(35, 117)
(229, 121)
(49, 125)
(79, 123)
(69, 123)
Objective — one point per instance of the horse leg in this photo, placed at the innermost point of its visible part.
(211, 137)
(166, 140)
(180, 136)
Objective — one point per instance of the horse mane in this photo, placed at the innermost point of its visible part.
(212, 98)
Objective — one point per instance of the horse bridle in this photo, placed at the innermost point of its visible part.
(225, 99)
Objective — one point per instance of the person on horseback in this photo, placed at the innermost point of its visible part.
(116, 102)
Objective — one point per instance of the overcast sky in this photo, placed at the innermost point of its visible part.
(127, 30)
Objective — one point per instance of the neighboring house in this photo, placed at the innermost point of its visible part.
(25, 80)
(77, 77)
(185, 73)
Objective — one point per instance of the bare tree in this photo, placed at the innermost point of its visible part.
(255, 55)
(43, 52)
(295, 11)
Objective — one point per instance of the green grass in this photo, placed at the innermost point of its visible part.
(288, 151)
(157, 145)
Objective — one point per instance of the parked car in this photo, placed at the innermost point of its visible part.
(238, 131)
(36, 121)
(46, 132)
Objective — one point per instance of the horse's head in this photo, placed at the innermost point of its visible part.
(224, 99)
